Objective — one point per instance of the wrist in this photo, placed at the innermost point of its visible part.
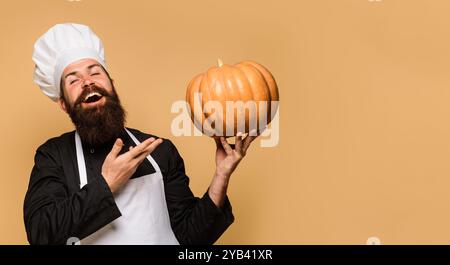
(109, 183)
(223, 175)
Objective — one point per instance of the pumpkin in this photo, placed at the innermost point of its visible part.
(228, 99)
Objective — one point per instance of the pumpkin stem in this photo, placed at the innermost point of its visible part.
(219, 62)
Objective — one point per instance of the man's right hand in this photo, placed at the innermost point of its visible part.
(117, 169)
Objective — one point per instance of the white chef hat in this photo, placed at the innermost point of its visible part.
(60, 46)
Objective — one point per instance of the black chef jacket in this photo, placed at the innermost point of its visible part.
(56, 209)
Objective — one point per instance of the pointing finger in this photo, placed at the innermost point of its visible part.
(136, 151)
(147, 151)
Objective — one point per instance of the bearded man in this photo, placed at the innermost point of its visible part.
(104, 183)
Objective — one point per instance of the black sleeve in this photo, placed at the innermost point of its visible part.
(51, 214)
(194, 220)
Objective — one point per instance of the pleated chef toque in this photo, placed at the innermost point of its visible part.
(60, 46)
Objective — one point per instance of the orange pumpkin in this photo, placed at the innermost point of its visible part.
(243, 95)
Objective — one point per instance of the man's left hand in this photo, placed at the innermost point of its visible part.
(227, 159)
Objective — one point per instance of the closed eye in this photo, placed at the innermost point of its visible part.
(73, 81)
(95, 73)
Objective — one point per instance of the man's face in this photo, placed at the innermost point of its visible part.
(90, 99)
(78, 77)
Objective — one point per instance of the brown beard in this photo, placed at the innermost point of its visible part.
(100, 124)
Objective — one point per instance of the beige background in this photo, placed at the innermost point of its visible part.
(365, 89)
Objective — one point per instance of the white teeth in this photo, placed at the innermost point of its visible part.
(92, 94)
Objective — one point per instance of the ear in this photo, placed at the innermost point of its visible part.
(62, 105)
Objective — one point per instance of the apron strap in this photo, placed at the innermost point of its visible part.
(80, 161)
(149, 157)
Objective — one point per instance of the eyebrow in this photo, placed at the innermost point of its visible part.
(89, 68)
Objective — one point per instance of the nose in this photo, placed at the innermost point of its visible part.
(87, 82)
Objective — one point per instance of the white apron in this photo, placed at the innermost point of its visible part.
(142, 202)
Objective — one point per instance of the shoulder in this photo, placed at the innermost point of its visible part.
(58, 141)
(51, 148)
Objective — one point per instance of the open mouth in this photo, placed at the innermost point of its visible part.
(92, 97)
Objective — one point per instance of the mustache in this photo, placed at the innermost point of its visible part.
(90, 89)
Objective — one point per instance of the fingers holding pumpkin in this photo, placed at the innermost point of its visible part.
(248, 140)
(238, 142)
(218, 142)
(241, 143)
(226, 146)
